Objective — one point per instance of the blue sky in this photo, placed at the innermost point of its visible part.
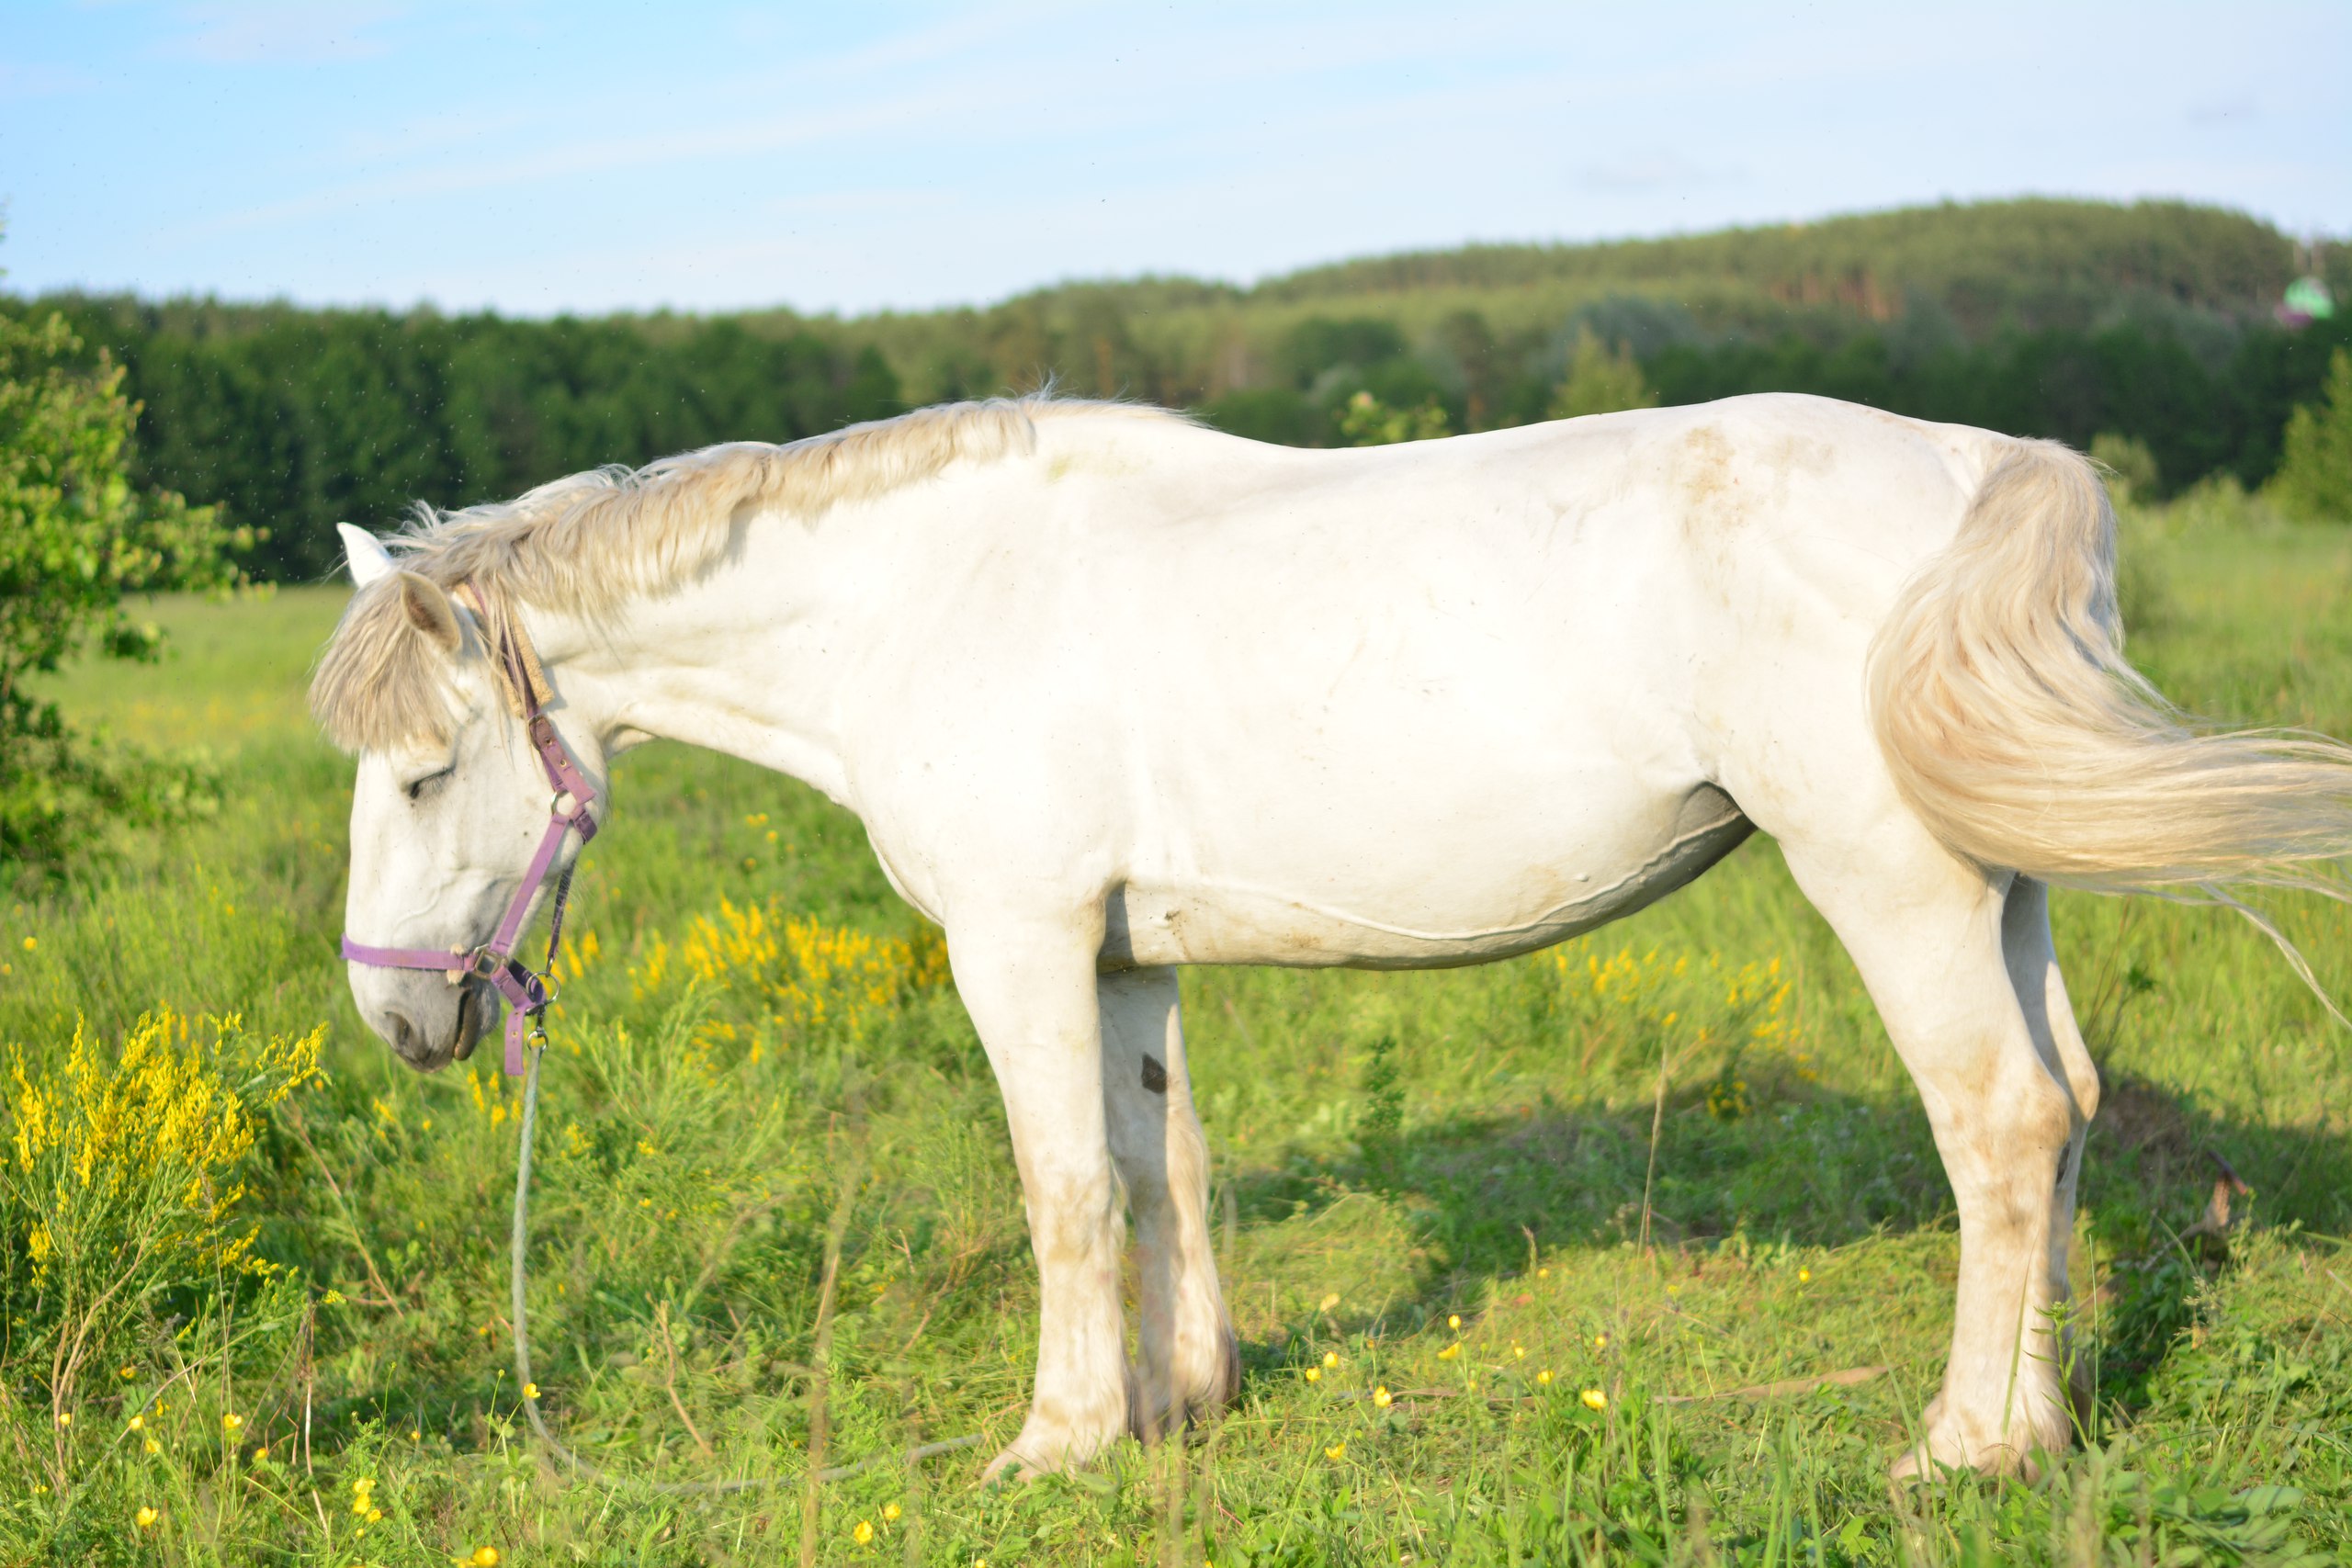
(536, 157)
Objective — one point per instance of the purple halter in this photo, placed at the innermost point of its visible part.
(526, 992)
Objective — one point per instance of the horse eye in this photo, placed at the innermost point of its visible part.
(429, 785)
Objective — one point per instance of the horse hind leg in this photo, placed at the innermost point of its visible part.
(2049, 1018)
(1957, 960)
(1190, 1363)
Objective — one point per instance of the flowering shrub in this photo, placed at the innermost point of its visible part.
(121, 1181)
(1622, 1000)
(785, 977)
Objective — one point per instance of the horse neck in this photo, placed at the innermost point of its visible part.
(725, 662)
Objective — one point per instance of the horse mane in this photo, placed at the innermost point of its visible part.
(588, 543)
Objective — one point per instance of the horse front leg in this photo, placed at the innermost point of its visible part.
(1190, 1363)
(1029, 985)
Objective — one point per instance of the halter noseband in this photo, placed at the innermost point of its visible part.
(526, 992)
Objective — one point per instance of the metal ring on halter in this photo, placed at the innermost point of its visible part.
(486, 962)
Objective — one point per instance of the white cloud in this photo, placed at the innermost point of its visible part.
(1644, 173)
(278, 33)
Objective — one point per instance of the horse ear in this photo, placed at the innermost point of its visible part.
(430, 611)
(370, 561)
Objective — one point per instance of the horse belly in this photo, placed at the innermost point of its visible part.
(1493, 912)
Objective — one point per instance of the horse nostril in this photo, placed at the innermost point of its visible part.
(406, 1038)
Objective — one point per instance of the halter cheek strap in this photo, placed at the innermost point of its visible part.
(526, 992)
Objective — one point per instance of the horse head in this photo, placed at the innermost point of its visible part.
(450, 802)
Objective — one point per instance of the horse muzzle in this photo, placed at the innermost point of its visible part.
(427, 1022)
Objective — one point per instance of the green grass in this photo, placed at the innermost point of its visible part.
(1472, 1142)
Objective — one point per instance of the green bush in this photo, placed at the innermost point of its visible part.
(1601, 378)
(2131, 473)
(74, 539)
(1365, 420)
(2316, 471)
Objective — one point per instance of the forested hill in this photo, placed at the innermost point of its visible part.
(2040, 317)
(2030, 264)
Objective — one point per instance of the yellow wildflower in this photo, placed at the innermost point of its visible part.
(30, 943)
(1381, 1396)
(1453, 1321)
(1600, 1342)
(485, 1557)
(1314, 1374)
(530, 1391)
(863, 1532)
(1327, 1302)
(231, 1422)
(1542, 1274)
(1519, 1352)
(1544, 1376)
(127, 1373)
(138, 1423)
(153, 1446)
(374, 1514)
(890, 1512)
(65, 1417)
(1804, 1276)
(1450, 1352)
(1330, 1358)
(1338, 1450)
(147, 1516)
(1594, 1399)
(333, 1299)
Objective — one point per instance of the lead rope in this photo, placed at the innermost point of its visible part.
(520, 1251)
(525, 681)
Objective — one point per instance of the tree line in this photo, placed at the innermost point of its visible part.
(2201, 409)
(2063, 319)
(290, 421)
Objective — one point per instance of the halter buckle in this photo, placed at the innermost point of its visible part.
(563, 807)
(486, 962)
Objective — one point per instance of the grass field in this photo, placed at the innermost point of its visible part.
(755, 1053)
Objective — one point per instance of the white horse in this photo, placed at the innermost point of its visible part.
(1114, 693)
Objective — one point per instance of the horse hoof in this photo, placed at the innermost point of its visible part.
(1922, 1466)
(1011, 1465)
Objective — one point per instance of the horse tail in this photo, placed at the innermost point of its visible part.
(2015, 730)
